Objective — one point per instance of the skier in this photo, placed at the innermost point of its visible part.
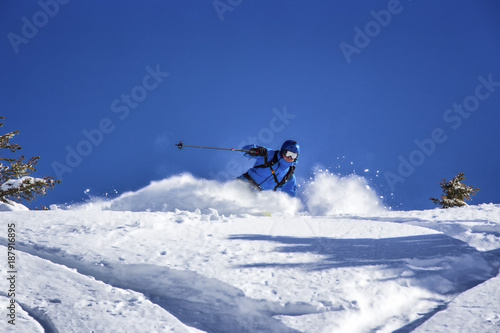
(273, 169)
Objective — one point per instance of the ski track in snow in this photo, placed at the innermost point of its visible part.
(205, 303)
(41, 318)
(31, 320)
(63, 300)
(214, 268)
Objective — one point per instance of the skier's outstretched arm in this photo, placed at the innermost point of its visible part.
(255, 151)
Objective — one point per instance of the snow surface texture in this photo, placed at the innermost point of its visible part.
(191, 255)
(12, 206)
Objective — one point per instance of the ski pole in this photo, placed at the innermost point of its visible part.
(181, 145)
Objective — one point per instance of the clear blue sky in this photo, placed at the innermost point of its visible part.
(102, 90)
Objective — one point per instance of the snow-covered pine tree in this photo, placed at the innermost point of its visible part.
(15, 182)
(455, 193)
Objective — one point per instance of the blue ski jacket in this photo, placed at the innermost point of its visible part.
(262, 177)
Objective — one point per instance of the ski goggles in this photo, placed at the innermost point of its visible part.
(291, 154)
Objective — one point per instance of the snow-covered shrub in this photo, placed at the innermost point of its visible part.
(455, 193)
(15, 181)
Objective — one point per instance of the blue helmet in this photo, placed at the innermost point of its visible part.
(290, 145)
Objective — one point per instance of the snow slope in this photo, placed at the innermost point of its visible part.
(191, 255)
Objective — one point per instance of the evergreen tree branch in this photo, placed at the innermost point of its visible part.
(455, 193)
(25, 188)
(15, 181)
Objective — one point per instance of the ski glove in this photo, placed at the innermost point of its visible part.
(259, 151)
